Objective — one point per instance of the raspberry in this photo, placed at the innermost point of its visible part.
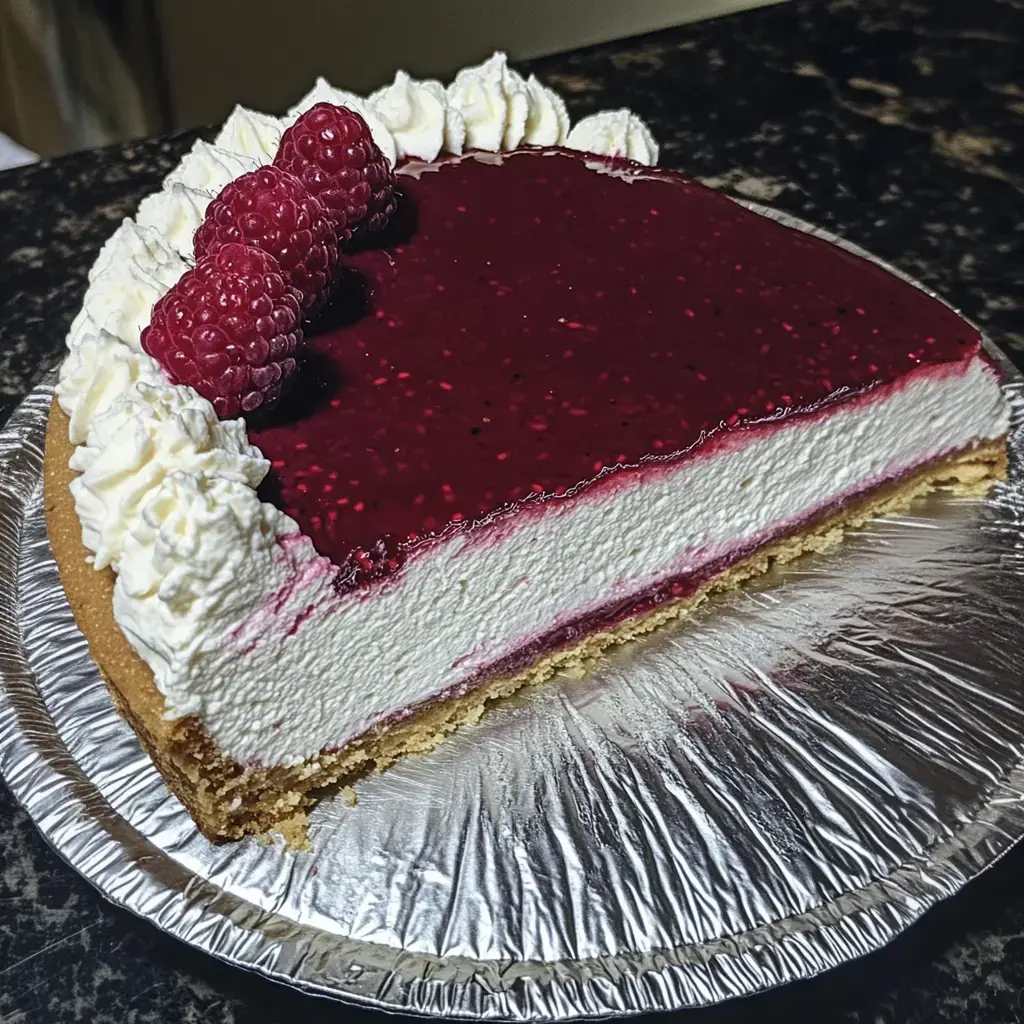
(331, 151)
(230, 329)
(271, 210)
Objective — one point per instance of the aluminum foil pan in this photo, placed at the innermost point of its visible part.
(778, 785)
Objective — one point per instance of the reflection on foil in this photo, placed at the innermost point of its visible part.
(780, 783)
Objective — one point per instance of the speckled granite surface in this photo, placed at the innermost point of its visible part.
(897, 123)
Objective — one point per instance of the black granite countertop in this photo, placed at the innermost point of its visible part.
(896, 123)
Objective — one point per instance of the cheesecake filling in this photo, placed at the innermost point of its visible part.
(311, 666)
(541, 321)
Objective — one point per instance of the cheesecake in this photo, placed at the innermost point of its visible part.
(562, 398)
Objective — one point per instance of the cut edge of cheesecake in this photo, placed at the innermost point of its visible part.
(227, 800)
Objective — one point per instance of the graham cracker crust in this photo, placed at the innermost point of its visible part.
(228, 801)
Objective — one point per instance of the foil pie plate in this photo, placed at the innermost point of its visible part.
(779, 784)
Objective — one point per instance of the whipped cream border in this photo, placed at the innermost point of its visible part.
(166, 494)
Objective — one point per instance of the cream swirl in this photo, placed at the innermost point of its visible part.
(618, 133)
(419, 117)
(208, 168)
(175, 212)
(120, 299)
(134, 243)
(144, 435)
(98, 370)
(251, 134)
(547, 123)
(494, 103)
(202, 553)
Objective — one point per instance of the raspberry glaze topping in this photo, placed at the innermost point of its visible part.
(548, 317)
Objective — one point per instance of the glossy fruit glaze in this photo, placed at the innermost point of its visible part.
(541, 320)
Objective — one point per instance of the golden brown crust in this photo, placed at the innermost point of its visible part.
(226, 801)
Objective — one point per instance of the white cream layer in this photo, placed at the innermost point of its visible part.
(308, 669)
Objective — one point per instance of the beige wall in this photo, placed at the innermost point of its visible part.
(28, 107)
(219, 52)
(67, 83)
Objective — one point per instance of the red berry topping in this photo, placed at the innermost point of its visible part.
(383, 558)
(230, 329)
(331, 151)
(272, 210)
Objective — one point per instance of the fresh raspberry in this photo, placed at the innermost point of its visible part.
(230, 329)
(272, 210)
(331, 151)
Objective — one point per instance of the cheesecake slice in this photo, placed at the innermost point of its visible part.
(562, 402)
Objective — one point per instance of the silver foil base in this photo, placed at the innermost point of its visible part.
(779, 784)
